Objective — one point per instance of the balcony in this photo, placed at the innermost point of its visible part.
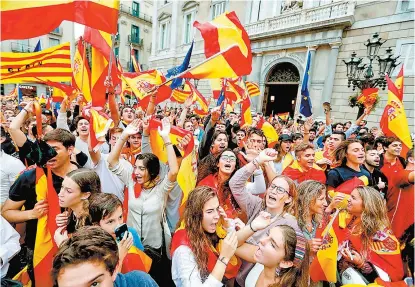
(56, 31)
(340, 13)
(117, 39)
(21, 48)
(136, 41)
(126, 9)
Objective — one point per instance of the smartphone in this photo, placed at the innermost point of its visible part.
(120, 231)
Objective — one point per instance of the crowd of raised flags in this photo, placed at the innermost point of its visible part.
(276, 147)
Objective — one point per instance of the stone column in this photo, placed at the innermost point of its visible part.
(312, 50)
(331, 69)
(173, 30)
(154, 31)
(257, 102)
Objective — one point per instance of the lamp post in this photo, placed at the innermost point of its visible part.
(361, 75)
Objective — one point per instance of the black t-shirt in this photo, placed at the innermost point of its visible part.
(343, 173)
(24, 151)
(375, 180)
(24, 188)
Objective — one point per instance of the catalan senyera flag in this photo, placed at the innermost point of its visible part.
(101, 43)
(246, 117)
(45, 246)
(136, 260)
(394, 121)
(187, 175)
(52, 64)
(368, 97)
(180, 95)
(82, 72)
(26, 19)
(269, 132)
(399, 84)
(253, 89)
(227, 46)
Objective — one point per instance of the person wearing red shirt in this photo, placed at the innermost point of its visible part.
(304, 167)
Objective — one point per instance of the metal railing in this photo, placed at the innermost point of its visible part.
(135, 40)
(57, 31)
(21, 48)
(129, 10)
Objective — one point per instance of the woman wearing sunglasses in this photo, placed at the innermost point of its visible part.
(280, 201)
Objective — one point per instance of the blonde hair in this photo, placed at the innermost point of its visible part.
(308, 192)
(291, 207)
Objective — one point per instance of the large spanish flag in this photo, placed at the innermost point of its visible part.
(45, 246)
(187, 176)
(52, 64)
(394, 121)
(28, 19)
(81, 71)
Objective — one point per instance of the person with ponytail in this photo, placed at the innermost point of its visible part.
(77, 186)
(282, 260)
(149, 184)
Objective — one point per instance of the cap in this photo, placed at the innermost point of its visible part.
(284, 138)
(46, 112)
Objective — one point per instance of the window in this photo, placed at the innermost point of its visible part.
(53, 42)
(116, 52)
(406, 49)
(164, 35)
(188, 27)
(218, 9)
(135, 31)
(405, 6)
(136, 8)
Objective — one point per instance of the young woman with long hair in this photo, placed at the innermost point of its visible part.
(77, 186)
(282, 260)
(200, 256)
(284, 156)
(280, 200)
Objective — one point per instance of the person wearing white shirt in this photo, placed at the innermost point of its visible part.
(10, 168)
(9, 245)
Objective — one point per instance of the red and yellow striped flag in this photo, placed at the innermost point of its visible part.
(197, 96)
(269, 132)
(82, 72)
(284, 116)
(136, 66)
(368, 97)
(26, 19)
(227, 46)
(246, 117)
(52, 64)
(399, 84)
(136, 260)
(253, 89)
(187, 176)
(394, 121)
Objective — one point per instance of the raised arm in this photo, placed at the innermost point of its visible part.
(151, 104)
(171, 155)
(15, 131)
(185, 110)
(62, 120)
(307, 127)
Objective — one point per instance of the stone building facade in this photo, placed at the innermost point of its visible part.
(281, 34)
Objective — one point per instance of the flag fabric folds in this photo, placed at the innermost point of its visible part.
(305, 106)
(394, 121)
(269, 132)
(399, 84)
(52, 64)
(134, 66)
(179, 69)
(246, 117)
(253, 89)
(284, 116)
(187, 175)
(26, 19)
(216, 86)
(368, 97)
(82, 72)
(38, 47)
(136, 260)
(100, 123)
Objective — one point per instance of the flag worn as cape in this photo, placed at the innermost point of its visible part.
(26, 19)
(52, 64)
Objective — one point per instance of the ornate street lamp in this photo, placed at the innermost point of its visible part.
(361, 75)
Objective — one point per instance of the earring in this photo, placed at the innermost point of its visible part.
(278, 271)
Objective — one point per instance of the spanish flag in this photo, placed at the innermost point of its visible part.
(28, 19)
(82, 72)
(52, 64)
(368, 97)
(60, 90)
(197, 96)
(227, 46)
(399, 84)
(394, 121)
(284, 116)
(100, 123)
(269, 132)
(253, 89)
(235, 90)
(216, 85)
(45, 246)
(246, 117)
(135, 67)
(187, 176)
(136, 260)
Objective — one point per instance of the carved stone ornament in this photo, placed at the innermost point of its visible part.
(285, 74)
(291, 5)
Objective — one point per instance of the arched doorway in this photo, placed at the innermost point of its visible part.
(281, 88)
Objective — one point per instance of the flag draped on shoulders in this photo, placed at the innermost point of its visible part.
(394, 121)
(227, 46)
(52, 64)
(28, 19)
(187, 175)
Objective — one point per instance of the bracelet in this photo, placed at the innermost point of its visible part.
(221, 260)
(250, 226)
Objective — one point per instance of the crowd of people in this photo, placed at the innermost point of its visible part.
(258, 216)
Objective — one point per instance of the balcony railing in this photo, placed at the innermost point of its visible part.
(334, 13)
(56, 31)
(21, 48)
(135, 40)
(130, 11)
